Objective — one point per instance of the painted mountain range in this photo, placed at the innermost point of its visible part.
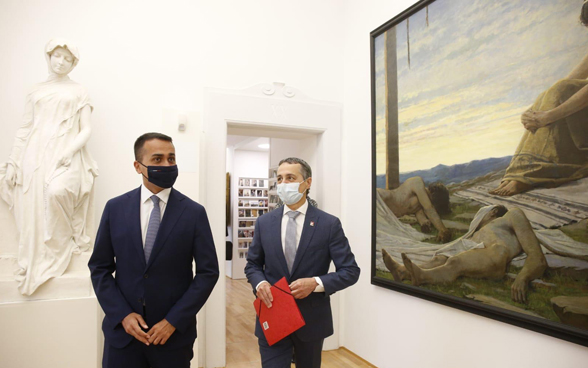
(454, 173)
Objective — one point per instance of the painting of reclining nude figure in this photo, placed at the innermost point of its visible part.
(480, 159)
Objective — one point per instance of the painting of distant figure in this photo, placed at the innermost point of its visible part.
(480, 159)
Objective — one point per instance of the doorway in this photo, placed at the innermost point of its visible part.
(277, 112)
(251, 163)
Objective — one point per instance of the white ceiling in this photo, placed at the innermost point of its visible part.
(241, 142)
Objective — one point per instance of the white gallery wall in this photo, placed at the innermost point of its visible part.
(249, 164)
(391, 329)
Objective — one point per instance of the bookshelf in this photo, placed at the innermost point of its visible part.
(252, 202)
(273, 198)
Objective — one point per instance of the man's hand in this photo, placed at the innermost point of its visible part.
(302, 288)
(265, 294)
(160, 333)
(518, 291)
(132, 325)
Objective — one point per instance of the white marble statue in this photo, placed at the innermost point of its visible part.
(49, 176)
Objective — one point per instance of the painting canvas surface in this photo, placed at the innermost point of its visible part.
(469, 202)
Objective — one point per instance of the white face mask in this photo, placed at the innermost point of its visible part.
(288, 193)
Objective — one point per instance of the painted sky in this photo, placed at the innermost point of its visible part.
(475, 69)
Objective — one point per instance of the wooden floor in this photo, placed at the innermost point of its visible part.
(242, 348)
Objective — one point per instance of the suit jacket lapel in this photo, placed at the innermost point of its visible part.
(173, 211)
(133, 215)
(306, 236)
(276, 236)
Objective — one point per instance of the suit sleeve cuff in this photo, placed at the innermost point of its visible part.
(258, 285)
(320, 288)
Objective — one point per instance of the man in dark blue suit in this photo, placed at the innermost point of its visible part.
(150, 236)
(299, 242)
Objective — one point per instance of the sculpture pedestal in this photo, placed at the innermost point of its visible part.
(58, 326)
(51, 333)
(74, 283)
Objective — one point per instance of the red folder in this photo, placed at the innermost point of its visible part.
(283, 318)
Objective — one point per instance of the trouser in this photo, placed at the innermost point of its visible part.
(307, 354)
(139, 355)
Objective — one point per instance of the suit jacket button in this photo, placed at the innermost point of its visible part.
(145, 276)
(140, 300)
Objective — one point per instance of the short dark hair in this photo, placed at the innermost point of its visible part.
(140, 142)
(305, 169)
(440, 198)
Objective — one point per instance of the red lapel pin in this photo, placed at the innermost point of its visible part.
(312, 223)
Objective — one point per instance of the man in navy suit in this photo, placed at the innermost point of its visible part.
(299, 242)
(150, 236)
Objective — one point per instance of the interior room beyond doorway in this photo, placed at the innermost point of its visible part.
(251, 165)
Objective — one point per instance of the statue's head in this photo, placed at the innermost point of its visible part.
(62, 56)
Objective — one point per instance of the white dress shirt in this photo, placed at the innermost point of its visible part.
(299, 226)
(147, 207)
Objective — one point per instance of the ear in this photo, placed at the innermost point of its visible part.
(309, 182)
(137, 167)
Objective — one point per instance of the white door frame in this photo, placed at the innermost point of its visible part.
(263, 107)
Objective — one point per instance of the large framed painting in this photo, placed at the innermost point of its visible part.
(480, 159)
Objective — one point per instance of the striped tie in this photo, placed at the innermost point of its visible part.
(290, 239)
(152, 228)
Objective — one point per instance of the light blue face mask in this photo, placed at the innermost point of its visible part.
(289, 194)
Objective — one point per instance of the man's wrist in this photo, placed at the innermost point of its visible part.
(125, 316)
(259, 284)
(320, 288)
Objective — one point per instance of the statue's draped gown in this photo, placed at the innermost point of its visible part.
(53, 205)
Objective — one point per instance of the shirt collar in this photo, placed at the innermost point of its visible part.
(146, 194)
(302, 208)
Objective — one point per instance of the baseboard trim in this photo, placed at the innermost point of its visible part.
(358, 357)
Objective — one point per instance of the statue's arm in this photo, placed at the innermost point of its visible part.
(22, 135)
(535, 264)
(82, 137)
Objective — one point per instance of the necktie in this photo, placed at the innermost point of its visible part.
(290, 240)
(152, 227)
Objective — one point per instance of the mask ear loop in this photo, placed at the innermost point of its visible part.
(306, 190)
(141, 171)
